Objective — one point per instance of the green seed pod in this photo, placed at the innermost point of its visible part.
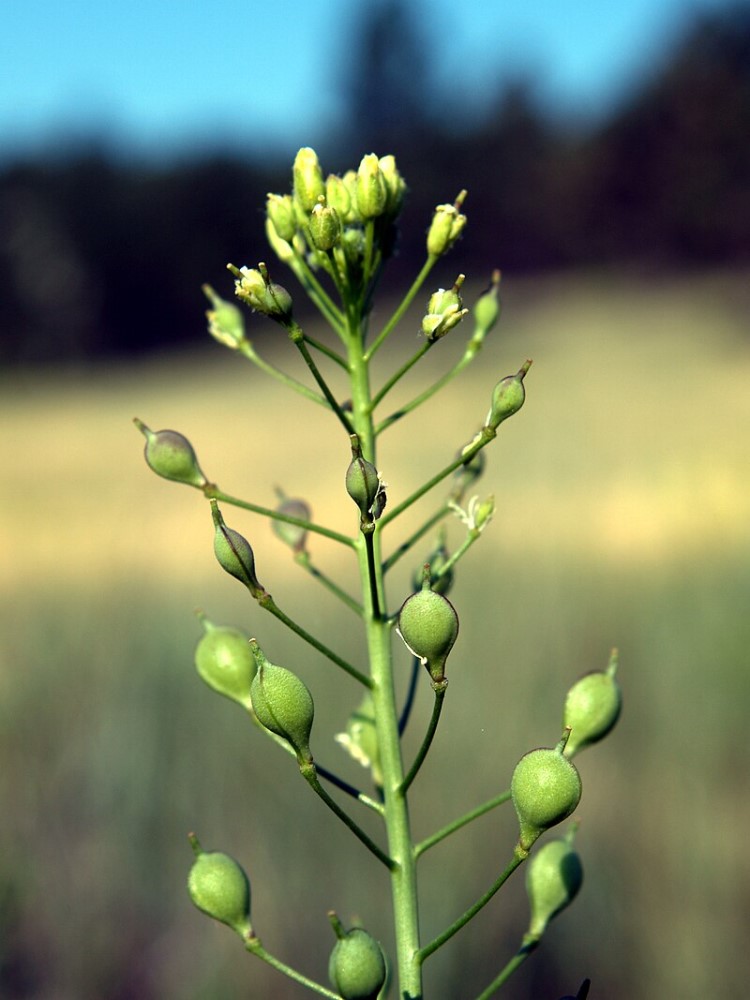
(487, 306)
(218, 886)
(553, 878)
(362, 481)
(224, 660)
(234, 554)
(592, 707)
(546, 788)
(282, 703)
(292, 535)
(508, 397)
(428, 624)
(171, 455)
(357, 968)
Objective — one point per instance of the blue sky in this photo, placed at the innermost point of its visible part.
(167, 75)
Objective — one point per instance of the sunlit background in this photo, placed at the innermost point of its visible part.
(606, 157)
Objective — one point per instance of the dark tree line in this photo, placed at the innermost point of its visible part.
(99, 257)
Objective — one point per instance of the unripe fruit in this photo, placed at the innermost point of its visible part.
(357, 968)
(362, 481)
(219, 887)
(546, 788)
(171, 455)
(553, 879)
(428, 624)
(282, 703)
(592, 707)
(508, 397)
(234, 554)
(224, 660)
(487, 306)
(293, 535)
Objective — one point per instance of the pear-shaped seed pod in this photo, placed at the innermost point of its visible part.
(234, 553)
(224, 660)
(282, 703)
(428, 624)
(592, 707)
(218, 886)
(553, 879)
(546, 788)
(508, 397)
(170, 454)
(357, 968)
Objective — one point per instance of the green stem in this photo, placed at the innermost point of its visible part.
(303, 559)
(325, 349)
(372, 574)
(298, 338)
(404, 305)
(405, 367)
(212, 492)
(404, 547)
(247, 350)
(437, 706)
(309, 773)
(467, 818)
(253, 945)
(519, 856)
(528, 945)
(379, 634)
(481, 440)
(267, 602)
(320, 297)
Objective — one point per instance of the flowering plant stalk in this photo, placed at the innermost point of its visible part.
(336, 234)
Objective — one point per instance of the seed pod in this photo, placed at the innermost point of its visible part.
(218, 886)
(508, 397)
(292, 534)
(357, 968)
(171, 455)
(224, 660)
(234, 554)
(428, 624)
(362, 481)
(592, 707)
(546, 788)
(487, 306)
(553, 879)
(282, 703)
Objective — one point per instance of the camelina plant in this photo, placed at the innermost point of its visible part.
(336, 234)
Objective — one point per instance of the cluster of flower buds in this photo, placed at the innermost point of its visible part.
(327, 215)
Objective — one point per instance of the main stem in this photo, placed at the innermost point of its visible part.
(398, 830)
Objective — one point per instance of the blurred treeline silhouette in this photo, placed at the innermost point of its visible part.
(104, 257)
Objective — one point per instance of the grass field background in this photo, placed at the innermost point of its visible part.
(623, 519)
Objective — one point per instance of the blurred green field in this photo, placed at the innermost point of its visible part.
(623, 519)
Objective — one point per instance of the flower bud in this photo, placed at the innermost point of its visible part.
(487, 306)
(171, 455)
(281, 248)
(363, 483)
(428, 624)
(545, 788)
(349, 180)
(225, 321)
(337, 196)
(372, 192)
(395, 185)
(307, 177)
(325, 226)
(357, 968)
(282, 703)
(280, 213)
(234, 554)
(219, 887)
(293, 535)
(443, 311)
(224, 660)
(553, 879)
(507, 397)
(447, 225)
(592, 707)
